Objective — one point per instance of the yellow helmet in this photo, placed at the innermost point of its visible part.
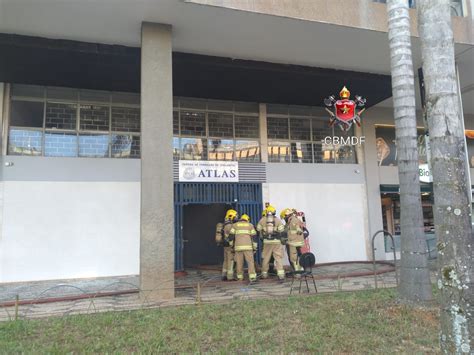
(270, 209)
(231, 215)
(264, 212)
(285, 213)
(245, 217)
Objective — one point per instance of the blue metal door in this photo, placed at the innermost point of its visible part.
(245, 197)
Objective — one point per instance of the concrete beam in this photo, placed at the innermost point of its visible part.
(157, 206)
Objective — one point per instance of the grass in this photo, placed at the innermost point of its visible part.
(360, 322)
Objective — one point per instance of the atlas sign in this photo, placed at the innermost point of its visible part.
(208, 171)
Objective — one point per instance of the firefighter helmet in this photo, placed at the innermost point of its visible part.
(270, 209)
(231, 215)
(285, 213)
(245, 217)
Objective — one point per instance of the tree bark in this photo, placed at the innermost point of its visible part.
(415, 285)
(449, 168)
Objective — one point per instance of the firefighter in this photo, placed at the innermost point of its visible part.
(294, 229)
(242, 238)
(222, 239)
(270, 229)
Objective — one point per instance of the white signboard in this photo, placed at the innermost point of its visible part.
(208, 171)
(425, 173)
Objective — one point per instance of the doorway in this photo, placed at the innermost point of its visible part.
(199, 227)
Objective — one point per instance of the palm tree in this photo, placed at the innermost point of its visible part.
(449, 168)
(415, 285)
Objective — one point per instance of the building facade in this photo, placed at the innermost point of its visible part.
(101, 103)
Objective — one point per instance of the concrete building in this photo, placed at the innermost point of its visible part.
(105, 102)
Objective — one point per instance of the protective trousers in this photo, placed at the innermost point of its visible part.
(228, 264)
(293, 253)
(276, 250)
(239, 260)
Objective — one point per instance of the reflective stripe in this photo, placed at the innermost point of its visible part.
(281, 228)
(243, 247)
(241, 224)
(242, 231)
(281, 272)
(259, 227)
(296, 244)
(252, 232)
(232, 231)
(271, 241)
(264, 273)
(240, 277)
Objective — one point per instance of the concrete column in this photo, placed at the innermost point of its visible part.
(157, 206)
(263, 132)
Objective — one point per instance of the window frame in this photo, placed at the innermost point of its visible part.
(109, 103)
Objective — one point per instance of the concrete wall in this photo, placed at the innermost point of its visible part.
(365, 14)
(69, 218)
(333, 199)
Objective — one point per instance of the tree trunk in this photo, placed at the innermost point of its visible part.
(449, 167)
(415, 285)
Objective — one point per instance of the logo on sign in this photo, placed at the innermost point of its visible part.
(425, 173)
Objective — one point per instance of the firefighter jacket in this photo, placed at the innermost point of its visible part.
(226, 232)
(242, 236)
(294, 229)
(270, 238)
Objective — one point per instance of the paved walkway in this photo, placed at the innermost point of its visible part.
(87, 295)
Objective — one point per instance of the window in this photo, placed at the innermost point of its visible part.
(62, 122)
(295, 135)
(215, 130)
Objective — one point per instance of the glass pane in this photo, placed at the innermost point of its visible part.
(193, 149)
(345, 154)
(328, 153)
(94, 145)
(193, 123)
(221, 125)
(221, 149)
(24, 142)
(32, 91)
(277, 109)
(94, 96)
(279, 152)
(301, 152)
(300, 128)
(247, 151)
(176, 122)
(62, 94)
(176, 149)
(125, 119)
(300, 110)
(125, 98)
(193, 104)
(277, 128)
(125, 146)
(250, 107)
(318, 153)
(94, 118)
(220, 105)
(58, 144)
(321, 130)
(26, 114)
(247, 127)
(61, 116)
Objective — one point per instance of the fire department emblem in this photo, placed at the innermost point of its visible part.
(344, 111)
